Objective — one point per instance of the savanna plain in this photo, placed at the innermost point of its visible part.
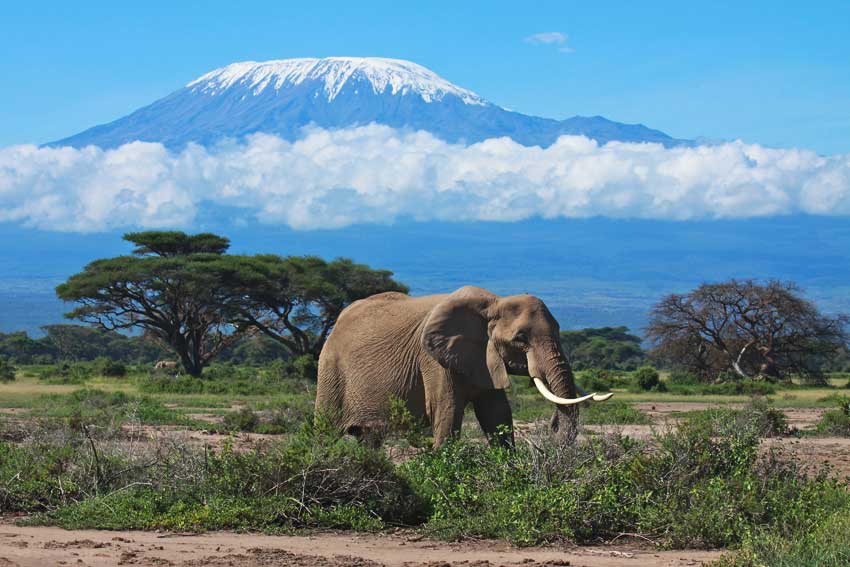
(106, 463)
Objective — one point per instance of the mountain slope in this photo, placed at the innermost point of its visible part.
(281, 97)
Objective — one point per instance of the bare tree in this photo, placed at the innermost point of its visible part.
(756, 330)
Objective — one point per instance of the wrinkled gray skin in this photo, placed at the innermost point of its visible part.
(439, 353)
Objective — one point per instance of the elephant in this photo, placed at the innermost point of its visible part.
(438, 353)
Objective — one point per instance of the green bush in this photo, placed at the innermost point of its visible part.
(827, 544)
(101, 408)
(67, 373)
(682, 378)
(758, 418)
(647, 379)
(316, 479)
(103, 366)
(243, 419)
(613, 413)
(304, 367)
(695, 486)
(693, 489)
(738, 388)
(225, 379)
(7, 371)
(595, 380)
(836, 422)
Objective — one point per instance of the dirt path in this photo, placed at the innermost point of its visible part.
(40, 546)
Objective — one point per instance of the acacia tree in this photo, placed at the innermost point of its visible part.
(296, 300)
(756, 330)
(170, 288)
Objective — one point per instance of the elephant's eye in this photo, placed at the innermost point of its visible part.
(520, 337)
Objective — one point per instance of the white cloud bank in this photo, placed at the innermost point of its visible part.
(374, 173)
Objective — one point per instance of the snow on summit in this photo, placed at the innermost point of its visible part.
(284, 96)
(334, 73)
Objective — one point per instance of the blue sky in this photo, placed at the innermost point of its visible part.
(766, 72)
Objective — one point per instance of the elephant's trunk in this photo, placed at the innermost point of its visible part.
(553, 377)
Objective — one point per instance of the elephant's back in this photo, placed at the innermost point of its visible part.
(383, 313)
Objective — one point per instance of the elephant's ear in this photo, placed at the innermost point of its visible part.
(456, 336)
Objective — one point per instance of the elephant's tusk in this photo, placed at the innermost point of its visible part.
(596, 397)
(560, 401)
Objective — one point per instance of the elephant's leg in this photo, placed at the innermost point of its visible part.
(494, 414)
(446, 416)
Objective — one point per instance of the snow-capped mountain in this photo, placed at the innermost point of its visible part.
(281, 97)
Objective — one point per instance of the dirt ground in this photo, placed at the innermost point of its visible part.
(41, 546)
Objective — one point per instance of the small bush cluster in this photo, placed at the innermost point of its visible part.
(827, 544)
(693, 490)
(66, 373)
(103, 366)
(647, 379)
(101, 408)
(7, 371)
(758, 418)
(315, 479)
(836, 422)
(231, 379)
(595, 380)
(613, 412)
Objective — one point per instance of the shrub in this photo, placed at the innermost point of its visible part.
(304, 367)
(402, 423)
(225, 379)
(738, 388)
(243, 419)
(595, 380)
(613, 413)
(647, 379)
(694, 489)
(316, 479)
(7, 371)
(67, 373)
(836, 422)
(104, 366)
(101, 408)
(827, 544)
(758, 419)
(682, 378)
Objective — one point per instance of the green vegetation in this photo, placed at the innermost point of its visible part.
(752, 329)
(190, 297)
(647, 379)
(605, 348)
(315, 479)
(7, 371)
(827, 544)
(99, 408)
(613, 413)
(758, 417)
(836, 422)
(695, 489)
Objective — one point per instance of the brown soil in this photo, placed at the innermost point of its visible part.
(40, 546)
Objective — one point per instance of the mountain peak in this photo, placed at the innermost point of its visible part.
(333, 74)
(283, 96)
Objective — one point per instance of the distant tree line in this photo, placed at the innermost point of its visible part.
(80, 343)
(186, 294)
(607, 348)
